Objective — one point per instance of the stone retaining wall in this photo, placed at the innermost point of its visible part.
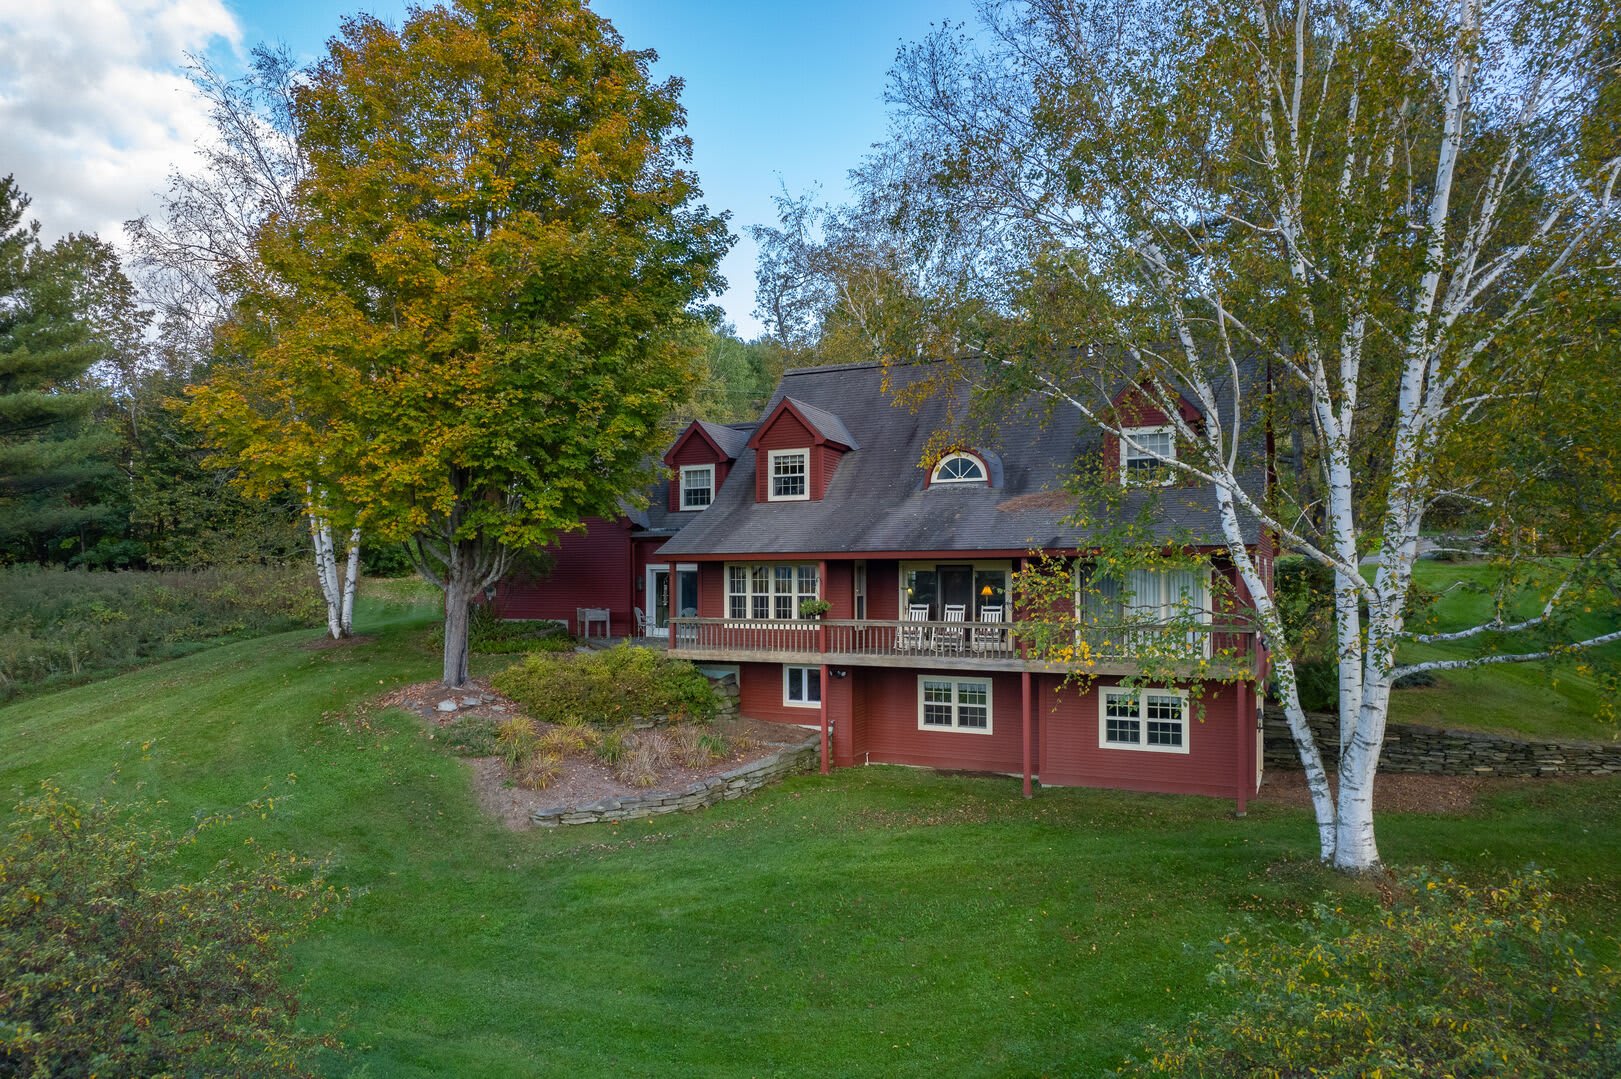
(705, 792)
(1433, 751)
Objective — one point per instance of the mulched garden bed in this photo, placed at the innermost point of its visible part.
(584, 778)
(1394, 792)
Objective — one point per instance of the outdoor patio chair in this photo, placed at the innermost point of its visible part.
(991, 633)
(951, 638)
(910, 638)
(641, 622)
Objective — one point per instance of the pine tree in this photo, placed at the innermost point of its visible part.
(51, 455)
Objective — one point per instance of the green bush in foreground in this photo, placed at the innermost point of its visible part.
(615, 686)
(1446, 979)
(113, 961)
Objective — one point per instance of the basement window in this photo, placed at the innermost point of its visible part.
(802, 687)
(1152, 720)
(954, 704)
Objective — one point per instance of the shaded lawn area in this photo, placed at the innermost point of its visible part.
(879, 921)
(1559, 700)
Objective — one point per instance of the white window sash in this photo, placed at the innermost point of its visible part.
(1140, 719)
(956, 706)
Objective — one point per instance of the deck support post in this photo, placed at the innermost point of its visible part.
(1243, 747)
(823, 708)
(1024, 687)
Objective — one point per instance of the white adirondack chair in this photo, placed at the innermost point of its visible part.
(910, 638)
(991, 633)
(952, 637)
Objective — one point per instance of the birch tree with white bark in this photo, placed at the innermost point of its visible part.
(1384, 210)
(195, 262)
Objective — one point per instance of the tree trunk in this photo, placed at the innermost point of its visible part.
(351, 579)
(458, 606)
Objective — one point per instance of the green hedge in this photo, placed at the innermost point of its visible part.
(608, 688)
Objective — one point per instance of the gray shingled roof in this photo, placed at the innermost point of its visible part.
(732, 439)
(877, 500)
(828, 425)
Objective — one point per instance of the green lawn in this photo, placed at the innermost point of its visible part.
(1540, 699)
(879, 921)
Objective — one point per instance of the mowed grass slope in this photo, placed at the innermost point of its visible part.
(1557, 700)
(875, 922)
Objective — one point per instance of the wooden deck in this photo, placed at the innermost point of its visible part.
(958, 645)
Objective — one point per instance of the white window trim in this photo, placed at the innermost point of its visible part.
(984, 470)
(955, 680)
(690, 469)
(770, 593)
(771, 475)
(1142, 702)
(1132, 433)
(790, 702)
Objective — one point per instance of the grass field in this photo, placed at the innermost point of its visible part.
(878, 921)
(1549, 700)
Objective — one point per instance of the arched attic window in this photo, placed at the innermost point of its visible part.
(958, 468)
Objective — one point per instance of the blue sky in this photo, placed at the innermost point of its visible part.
(776, 93)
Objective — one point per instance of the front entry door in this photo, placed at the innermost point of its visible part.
(956, 587)
(658, 601)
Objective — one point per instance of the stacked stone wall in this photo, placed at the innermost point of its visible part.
(1425, 750)
(730, 784)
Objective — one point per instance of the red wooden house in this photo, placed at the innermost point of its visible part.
(831, 497)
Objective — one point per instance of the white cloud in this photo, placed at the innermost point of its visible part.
(95, 108)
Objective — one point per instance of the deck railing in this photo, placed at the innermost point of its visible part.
(889, 638)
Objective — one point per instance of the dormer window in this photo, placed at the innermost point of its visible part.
(958, 468)
(697, 486)
(1145, 453)
(790, 475)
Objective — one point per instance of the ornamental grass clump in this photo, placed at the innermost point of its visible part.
(1444, 979)
(613, 687)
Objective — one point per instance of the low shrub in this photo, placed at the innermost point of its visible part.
(114, 961)
(609, 688)
(60, 624)
(1443, 979)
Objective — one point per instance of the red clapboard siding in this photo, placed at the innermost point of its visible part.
(711, 590)
(887, 730)
(694, 449)
(786, 432)
(823, 463)
(1070, 754)
(838, 590)
(591, 569)
(883, 588)
(760, 696)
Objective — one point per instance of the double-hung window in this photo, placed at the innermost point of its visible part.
(1144, 456)
(789, 475)
(1155, 720)
(697, 486)
(771, 590)
(954, 704)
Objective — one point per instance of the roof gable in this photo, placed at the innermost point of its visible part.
(824, 426)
